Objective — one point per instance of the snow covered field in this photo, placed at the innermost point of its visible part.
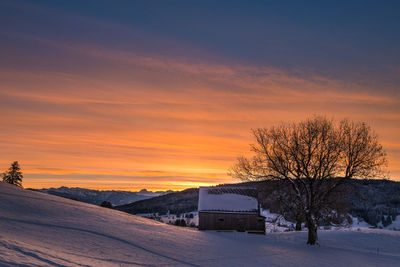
(37, 229)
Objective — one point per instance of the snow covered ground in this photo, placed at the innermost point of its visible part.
(37, 229)
(276, 223)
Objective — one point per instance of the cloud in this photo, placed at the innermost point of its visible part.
(104, 121)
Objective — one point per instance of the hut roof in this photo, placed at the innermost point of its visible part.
(228, 199)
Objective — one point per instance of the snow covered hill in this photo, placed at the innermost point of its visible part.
(37, 229)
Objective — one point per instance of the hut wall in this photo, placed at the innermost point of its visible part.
(231, 221)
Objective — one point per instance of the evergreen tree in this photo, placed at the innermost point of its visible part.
(13, 175)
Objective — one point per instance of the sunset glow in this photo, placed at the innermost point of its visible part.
(104, 102)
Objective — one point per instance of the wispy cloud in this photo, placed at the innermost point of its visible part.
(124, 118)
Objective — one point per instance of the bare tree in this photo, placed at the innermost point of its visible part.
(13, 175)
(277, 195)
(315, 157)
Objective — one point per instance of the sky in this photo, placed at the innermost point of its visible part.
(163, 95)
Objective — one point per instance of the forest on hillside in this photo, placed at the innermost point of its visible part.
(372, 201)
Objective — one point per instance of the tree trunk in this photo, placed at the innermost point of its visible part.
(298, 224)
(312, 230)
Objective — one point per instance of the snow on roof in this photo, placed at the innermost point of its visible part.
(232, 199)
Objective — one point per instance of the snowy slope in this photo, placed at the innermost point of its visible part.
(37, 229)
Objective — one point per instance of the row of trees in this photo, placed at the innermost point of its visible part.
(313, 158)
(13, 175)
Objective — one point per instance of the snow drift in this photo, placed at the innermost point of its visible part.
(37, 229)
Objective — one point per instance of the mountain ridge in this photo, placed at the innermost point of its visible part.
(96, 197)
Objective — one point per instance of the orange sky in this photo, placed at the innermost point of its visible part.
(160, 123)
(94, 116)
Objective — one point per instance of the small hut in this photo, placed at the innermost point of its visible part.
(230, 208)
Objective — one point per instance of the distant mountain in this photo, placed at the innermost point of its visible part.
(178, 202)
(97, 197)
